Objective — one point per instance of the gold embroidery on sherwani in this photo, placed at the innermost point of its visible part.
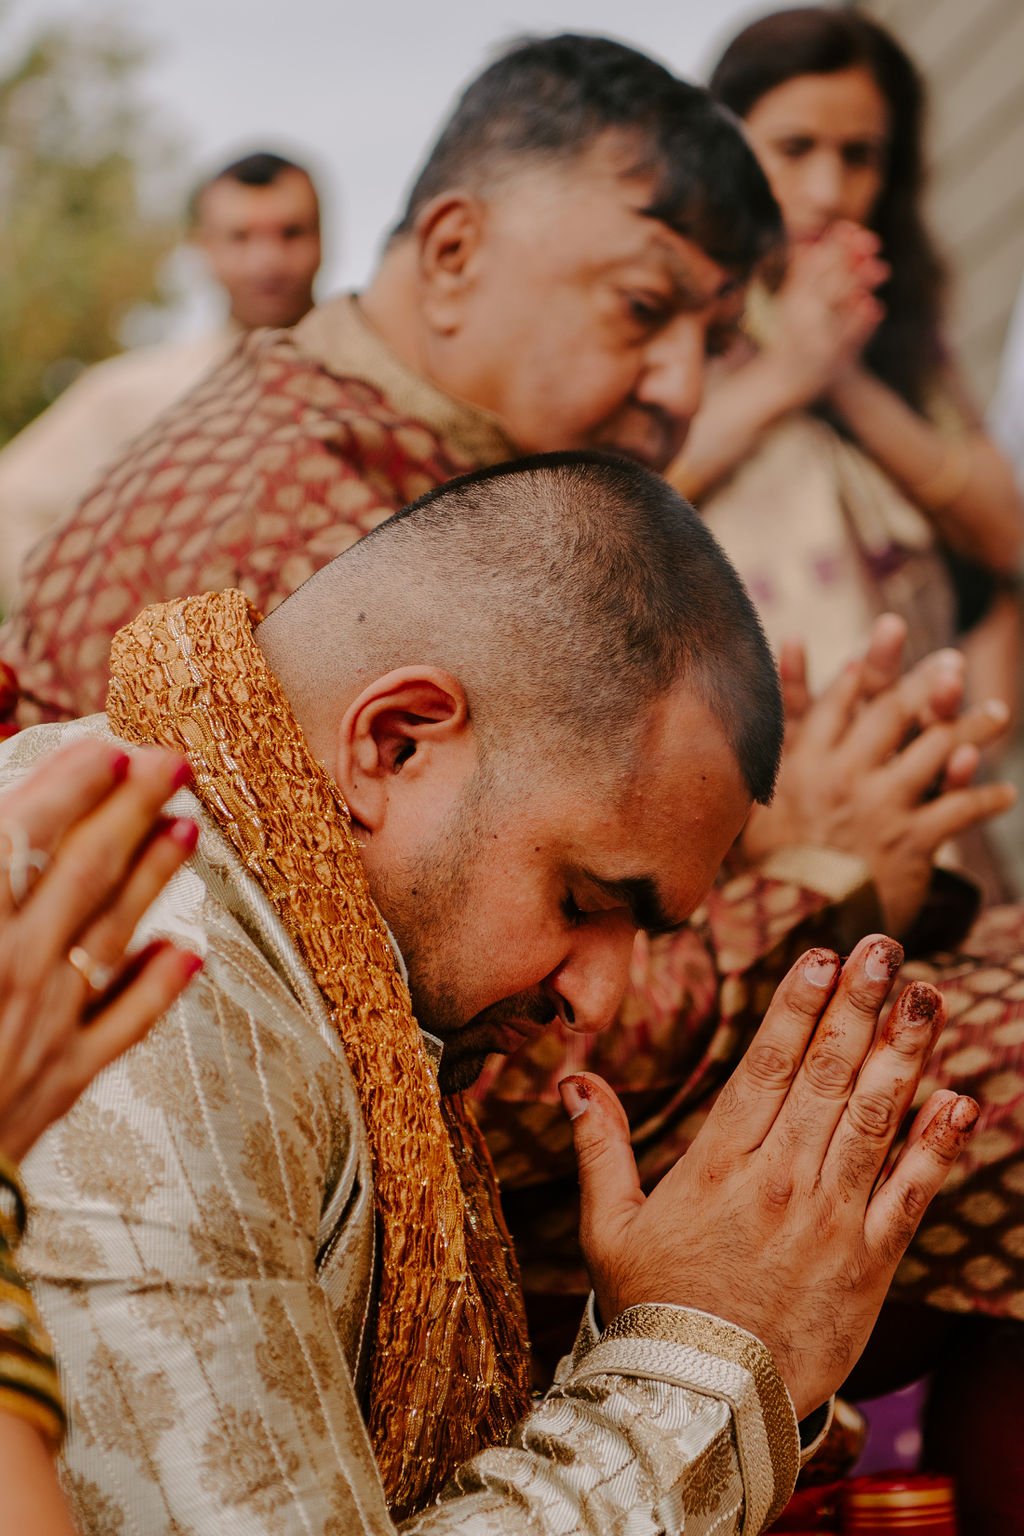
(246, 1466)
(448, 1366)
(111, 1160)
(95, 1511)
(65, 1243)
(112, 1380)
(224, 1244)
(701, 1331)
(705, 1481)
(162, 1078)
(275, 1360)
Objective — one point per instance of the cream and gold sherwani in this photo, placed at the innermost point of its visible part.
(202, 1246)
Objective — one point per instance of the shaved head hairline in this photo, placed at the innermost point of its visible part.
(541, 586)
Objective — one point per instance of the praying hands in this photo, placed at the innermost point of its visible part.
(783, 1217)
(882, 765)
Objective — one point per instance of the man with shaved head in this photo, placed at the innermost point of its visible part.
(455, 773)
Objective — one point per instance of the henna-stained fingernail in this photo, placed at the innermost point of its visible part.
(918, 1010)
(119, 766)
(575, 1092)
(820, 967)
(883, 960)
(190, 964)
(956, 1116)
(183, 832)
(183, 775)
(963, 1116)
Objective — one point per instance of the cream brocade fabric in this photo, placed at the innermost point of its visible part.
(202, 1249)
(448, 1355)
(824, 540)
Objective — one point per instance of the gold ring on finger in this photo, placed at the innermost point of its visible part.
(19, 859)
(94, 973)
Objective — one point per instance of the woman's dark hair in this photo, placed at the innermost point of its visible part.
(906, 350)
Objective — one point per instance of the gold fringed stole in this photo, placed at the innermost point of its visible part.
(449, 1355)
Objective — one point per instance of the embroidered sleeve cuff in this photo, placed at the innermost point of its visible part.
(587, 1336)
(814, 1428)
(828, 871)
(841, 879)
(704, 1354)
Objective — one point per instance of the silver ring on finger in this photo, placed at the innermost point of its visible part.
(94, 973)
(19, 860)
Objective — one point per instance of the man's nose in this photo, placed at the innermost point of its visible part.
(590, 983)
(673, 377)
(823, 184)
(263, 250)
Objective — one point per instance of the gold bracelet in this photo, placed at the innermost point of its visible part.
(945, 485)
(29, 1384)
(42, 1412)
(13, 1203)
(21, 1327)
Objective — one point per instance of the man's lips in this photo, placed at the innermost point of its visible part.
(649, 455)
(652, 439)
(517, 1032)
(483, 1036)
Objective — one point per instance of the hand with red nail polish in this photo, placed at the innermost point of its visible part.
(785, 1216)
(85, 846)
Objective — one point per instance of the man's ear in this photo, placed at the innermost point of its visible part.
(449, 233)
(396, 727)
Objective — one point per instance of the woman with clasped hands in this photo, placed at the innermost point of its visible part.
(85, 846)
(837, 454)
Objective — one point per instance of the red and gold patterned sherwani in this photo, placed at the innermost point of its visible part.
(291, 450)
(300, 443)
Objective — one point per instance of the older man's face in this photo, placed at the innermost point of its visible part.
(590, 322)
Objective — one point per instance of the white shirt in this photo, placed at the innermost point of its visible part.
(47, 469)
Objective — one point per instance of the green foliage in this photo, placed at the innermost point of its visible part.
(78, 248)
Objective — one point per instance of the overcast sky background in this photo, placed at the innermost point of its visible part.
(358, 88)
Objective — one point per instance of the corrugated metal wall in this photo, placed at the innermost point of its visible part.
(972, 53)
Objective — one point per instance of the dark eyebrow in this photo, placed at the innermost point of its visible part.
(689, 298)
(641, 895)
(690, 302)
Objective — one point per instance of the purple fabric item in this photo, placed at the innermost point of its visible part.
(894, 1436)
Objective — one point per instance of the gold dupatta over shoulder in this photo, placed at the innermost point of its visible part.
(449, 1355)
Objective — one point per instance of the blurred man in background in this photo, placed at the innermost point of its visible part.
(257, 224)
